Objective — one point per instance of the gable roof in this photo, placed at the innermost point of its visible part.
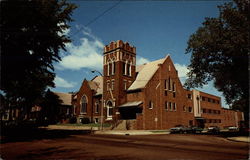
(65, 97)
(145, 73)
(96, 84)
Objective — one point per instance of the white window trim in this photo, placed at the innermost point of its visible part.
(109, 117)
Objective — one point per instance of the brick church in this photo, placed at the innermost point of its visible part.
(151, 95)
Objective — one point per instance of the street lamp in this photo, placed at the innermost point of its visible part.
(93, 71)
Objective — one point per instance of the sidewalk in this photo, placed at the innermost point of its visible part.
(240, 139)
(63, 127)
(132, 132)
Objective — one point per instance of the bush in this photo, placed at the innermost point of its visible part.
(72, 120)
(85, 120)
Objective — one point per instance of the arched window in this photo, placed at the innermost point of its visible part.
(124, 68)
(84, 104)
(128, 69)
(110, 68)
(109, 109)
(113, 67)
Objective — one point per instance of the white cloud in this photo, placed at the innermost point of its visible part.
(60, 82)
(64, 31)
(182, 70)
(85, 55)
(141, 60)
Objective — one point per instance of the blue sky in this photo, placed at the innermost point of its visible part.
(155, 28)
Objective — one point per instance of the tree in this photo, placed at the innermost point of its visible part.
(220, 52)
(32, 34)
(50, 107)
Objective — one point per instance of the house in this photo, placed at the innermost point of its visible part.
(151, 95)
(65, 109)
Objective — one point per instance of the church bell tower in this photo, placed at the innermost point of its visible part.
(119, 61)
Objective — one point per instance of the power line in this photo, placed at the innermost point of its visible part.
(93, 20)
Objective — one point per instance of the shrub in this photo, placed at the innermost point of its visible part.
(85, 120)
(72, 120)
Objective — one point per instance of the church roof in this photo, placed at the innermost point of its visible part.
(96, 84)
(65, 97)
(145, 73)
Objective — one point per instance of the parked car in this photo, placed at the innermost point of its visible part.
(213, 129)
(178, 129)
(195, 129)
(233, 128)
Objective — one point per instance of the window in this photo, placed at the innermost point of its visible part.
(97, 107)
(166, 105)
(189, 96)
(169, 83)
(128, 69)
(213, 100)
(165, 84)
(208, 99)
(124, 68)
(173, 86)
(150, 105)
(174, 94)
(203, 98)
(169, 68)
(113, 68)
(112, 85)
(84, 104)
(166, 93)
(174, 106)
(204, 110)
(109, 110)
(190, 110)
(170, 106)
(209, 111)
(110, 68)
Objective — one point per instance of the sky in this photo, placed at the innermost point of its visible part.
(155, 28)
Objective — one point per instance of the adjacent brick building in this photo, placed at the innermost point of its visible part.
(151, 94)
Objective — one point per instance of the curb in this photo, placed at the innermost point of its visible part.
(247, 140)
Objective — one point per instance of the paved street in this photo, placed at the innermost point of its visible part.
(89, 146)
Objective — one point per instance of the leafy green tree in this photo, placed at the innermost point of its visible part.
(32, 34)
(220, 52)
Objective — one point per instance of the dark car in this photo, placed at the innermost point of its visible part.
(178, 129)
(195, 129)
(213, 129)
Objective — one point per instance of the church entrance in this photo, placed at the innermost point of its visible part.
(130, 109)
